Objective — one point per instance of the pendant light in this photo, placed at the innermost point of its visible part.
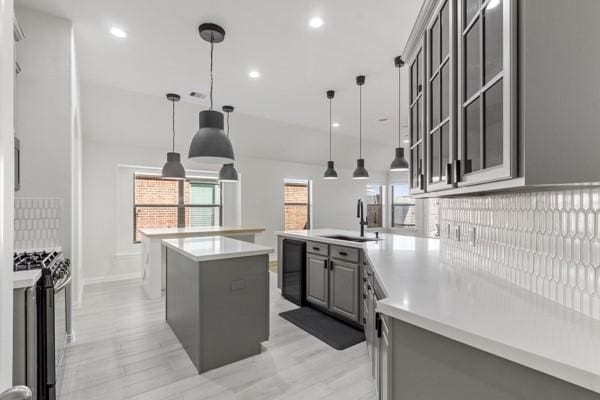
(360, 172)
(330, 172)
(173, 168)
(210, 144)
(228, 172)
(399, 163)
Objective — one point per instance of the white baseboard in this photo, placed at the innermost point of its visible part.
(111, 278)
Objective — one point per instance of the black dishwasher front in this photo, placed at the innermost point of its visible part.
(293, 276)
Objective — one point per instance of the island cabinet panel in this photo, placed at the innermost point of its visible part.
(500, 98)
(425, 365)
(218, 309)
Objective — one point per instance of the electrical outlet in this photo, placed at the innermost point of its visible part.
(239, 284)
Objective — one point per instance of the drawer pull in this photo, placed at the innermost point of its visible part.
(364, 279)
(316, 249)
(364, 296)
(343, 253)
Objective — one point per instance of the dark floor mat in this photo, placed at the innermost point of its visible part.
(335, 333)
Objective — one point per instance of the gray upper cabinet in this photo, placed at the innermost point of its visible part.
(501, 97)
(344, 289)
(317, 279)
(440, 114)
(416, 118)
(486, 81)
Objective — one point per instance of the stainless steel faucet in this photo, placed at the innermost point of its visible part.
(360, 213)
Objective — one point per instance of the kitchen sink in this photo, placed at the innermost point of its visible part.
(351, 238)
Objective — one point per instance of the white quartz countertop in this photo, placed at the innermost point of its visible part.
(484, 312)
(199, 231)
(215, 248)
(24, 279)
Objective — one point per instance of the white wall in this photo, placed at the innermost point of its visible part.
(125, 128)
(43, 111)
(7, 68)
(48, 123)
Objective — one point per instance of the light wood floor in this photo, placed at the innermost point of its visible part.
(125, 350)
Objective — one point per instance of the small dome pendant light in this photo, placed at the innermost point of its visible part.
(399, 163)
(228, 172)
(360, 172)
(330, 172)
(173, 168)
(210, 144)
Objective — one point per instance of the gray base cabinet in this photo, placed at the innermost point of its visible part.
(332, 282)
(343, 289)
(426, 365)
(317, 279)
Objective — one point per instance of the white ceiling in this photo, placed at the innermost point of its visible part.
(163, 53)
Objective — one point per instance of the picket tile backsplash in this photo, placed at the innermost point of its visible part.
(37, 223)
(546, 242)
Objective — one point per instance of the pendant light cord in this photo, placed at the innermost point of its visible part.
(228, 123)
(399, 106)
(212, 47)
(173, 101)
(330, 131)
(360, 122)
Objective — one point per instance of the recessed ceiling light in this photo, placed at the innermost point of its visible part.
(254, 74)
(316, 22)
(118, 32)
(336, 124)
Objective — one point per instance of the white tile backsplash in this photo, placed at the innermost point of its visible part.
(37, 223)
(546, 242)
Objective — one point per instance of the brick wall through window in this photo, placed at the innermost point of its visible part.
(297, 205)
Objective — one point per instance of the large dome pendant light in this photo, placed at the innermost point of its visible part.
(173, 168)
(330, 172)
(228, 172)
(210, 144)
(360, 172)
(399, 163)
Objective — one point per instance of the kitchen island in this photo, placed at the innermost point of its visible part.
(217, 298)
(153, 256)
(447, 332)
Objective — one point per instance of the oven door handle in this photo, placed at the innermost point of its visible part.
(64, 283)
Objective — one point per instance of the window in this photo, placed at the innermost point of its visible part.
(403, 207)
(374, 206)
(163, 203)
(296, 196)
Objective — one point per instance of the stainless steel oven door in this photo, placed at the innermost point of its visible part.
(60, 325)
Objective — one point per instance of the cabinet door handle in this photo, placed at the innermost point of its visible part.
(456, 170)
(364, 320)
(449, 173)
(331, 265)
(378, 324)
(325, 264)
(343, 253)
(364, 279)
(364, 296)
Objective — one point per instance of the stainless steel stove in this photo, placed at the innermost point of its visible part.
(45, 333)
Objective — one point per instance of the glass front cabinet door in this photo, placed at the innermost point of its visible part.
(440, 119)
(462, 94)
(416, 117)
(487, 92)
